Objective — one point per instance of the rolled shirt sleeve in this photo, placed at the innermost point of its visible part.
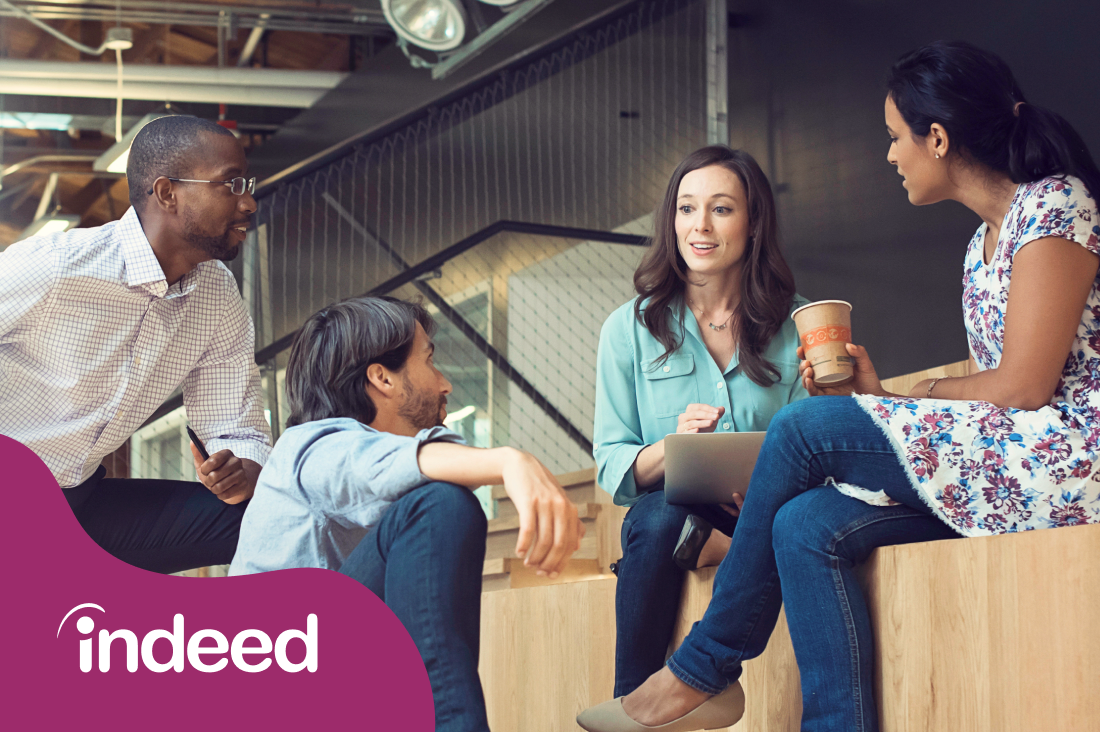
(617, 431)
(222, 393)
(354, 473)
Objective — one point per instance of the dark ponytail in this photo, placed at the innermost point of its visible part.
(974, 95)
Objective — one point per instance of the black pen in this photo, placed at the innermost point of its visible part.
(198, 443)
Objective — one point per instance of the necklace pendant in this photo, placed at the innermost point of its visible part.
(717, 327)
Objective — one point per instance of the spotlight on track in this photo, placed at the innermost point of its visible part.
(436, 25)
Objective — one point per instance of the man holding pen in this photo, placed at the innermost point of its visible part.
(99, 326)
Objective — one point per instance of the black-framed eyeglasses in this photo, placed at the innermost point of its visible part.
(237, 185)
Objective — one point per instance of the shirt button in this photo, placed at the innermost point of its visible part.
(137, 360)
(721, 384)
(725, 425)
(667, 369)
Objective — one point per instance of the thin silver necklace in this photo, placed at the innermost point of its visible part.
(724, 324)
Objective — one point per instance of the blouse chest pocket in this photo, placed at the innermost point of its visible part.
(767, 400)
(670, 386)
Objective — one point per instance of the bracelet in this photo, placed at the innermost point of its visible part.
(932, 385)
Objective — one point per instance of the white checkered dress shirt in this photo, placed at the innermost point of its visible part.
(93, 340)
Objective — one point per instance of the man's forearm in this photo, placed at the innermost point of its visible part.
(464, 465)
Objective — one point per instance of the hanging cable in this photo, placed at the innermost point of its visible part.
(118, 58)
(19, 12)
(118, 110)
(121, 41)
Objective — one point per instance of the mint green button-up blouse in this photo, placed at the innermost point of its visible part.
(638, 401)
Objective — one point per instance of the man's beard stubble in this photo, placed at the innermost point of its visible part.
(218, 247)
(422, 409)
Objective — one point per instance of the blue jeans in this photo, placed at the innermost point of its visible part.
(424, 560)
(647, 594)
(798, 535)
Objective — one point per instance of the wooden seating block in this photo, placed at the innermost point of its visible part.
(991, 634)
(547, 653)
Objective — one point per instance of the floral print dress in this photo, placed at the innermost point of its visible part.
(987, 470)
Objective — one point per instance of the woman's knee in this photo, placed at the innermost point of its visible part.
(805, 523)
(828, 410)
(653, 518)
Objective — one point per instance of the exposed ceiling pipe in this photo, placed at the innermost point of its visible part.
(260, 87)
(252, 42)
(37, 159)
(46, 202)
(304, 17)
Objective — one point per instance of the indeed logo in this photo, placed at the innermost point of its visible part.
(249, 649)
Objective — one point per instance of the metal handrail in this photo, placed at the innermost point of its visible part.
(411, 275)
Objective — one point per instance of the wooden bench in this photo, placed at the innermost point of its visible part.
(978, 635)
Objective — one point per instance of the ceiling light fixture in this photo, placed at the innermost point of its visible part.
(436, 25)
(51, 224)
(115, 158)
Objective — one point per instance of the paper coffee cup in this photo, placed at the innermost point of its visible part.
(824, 327)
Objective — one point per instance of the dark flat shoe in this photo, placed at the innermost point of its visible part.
(694, 535)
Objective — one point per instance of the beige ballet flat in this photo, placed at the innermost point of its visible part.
(721, 710)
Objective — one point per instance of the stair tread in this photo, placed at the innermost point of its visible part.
(504, 565)
(511, 523)
(575, 479)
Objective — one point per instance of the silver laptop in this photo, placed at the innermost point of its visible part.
(709, 468)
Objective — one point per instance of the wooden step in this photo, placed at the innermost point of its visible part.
(509, 574)
(580, 485)
(504, 532)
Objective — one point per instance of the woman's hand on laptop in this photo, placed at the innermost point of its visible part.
(549, 529)
(734, 509)
(699, 418)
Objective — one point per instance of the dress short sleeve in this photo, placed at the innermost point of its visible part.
(1059, 207)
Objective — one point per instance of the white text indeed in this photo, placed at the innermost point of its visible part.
(250, 650)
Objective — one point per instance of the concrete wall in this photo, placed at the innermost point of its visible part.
(807, 88)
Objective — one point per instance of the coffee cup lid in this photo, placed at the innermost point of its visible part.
(820, 302)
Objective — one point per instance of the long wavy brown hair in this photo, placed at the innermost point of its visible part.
(767, 284)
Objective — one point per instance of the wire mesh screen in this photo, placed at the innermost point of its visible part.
(585, 136)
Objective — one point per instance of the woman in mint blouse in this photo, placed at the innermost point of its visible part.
(707, 346)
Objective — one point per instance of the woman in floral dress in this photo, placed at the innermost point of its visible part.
(1011, 447)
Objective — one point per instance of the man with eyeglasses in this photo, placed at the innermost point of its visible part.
(98, 327)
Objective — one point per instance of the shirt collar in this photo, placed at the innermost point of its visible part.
(142, 267)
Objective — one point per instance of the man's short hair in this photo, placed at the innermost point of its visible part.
(168, 146)
(326, 375)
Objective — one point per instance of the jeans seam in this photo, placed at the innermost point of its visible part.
(679, 672)
(851, 528)
(853, 645)
(846, 608)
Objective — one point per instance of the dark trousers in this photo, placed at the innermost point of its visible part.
(159, 525)
(647, 595)
(424, 560)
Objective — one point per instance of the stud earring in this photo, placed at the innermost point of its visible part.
(937, 156)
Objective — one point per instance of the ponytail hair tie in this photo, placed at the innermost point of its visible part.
(1016, 108)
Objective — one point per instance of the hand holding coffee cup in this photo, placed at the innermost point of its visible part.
(825, 329)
